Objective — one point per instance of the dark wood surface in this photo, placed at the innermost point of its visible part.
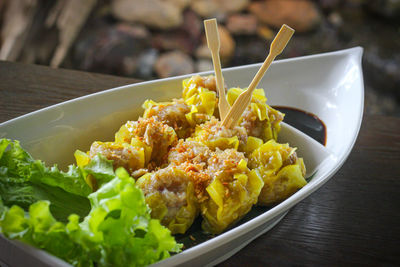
(354, 219)
(25, 88)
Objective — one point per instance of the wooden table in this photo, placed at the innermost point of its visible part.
(354, 219)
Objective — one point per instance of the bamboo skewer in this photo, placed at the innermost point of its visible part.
(213, 43)
(277, 46)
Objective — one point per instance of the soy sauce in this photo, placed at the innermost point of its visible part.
(306, 122)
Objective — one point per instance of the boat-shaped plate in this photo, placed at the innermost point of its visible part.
(328, 85)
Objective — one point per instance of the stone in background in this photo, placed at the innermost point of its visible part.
(148, 39)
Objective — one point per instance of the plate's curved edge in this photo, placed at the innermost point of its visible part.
(358, 57)
(273, 223)
(303, 142)
(348, 51)
(228, 249)
(18, 254)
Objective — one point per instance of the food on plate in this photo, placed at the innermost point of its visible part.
(214, 135)
(156, 137)
(200, 94)
(192, 163)
(281, 170)
(171, 166)
(259, 119)
(232, 191)
(172, 113)
(169, 192)
(192, 157)
(189, 151)
(124, 155)
(224, 187)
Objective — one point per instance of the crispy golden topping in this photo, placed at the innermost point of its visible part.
(189, 151)
(171, 113)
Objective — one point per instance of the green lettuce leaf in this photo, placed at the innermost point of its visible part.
(39, 228)
(24, 181)
(24, 194)
(100, 168)
(17, 163)
(120, 227)
(117, 230)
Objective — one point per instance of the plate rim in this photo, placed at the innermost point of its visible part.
(357, 49)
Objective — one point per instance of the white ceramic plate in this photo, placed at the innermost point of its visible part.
(329, 85)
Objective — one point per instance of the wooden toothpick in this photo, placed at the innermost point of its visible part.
(277, 46)
(213, 43)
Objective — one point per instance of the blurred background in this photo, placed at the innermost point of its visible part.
(148, 39)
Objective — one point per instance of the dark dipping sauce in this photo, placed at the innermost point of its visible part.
(304, 121)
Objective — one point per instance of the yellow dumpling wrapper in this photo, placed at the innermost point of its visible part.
(259, 115)
(214, 142)
(231, 197)
(196, 95)
(252, 144)
(173, 113)
(153, 136)
(214, 136)
(258, 95)
(125, 155)
(281, 170)
(147, 150)
(82, 158)
(177, 221)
